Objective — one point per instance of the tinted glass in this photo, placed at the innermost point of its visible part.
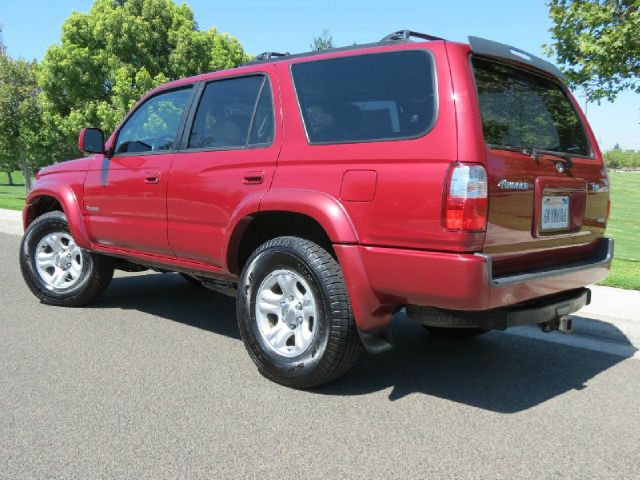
(262, 129)
(154, 126)
(225, 112)
(520, 109)
(366, 97)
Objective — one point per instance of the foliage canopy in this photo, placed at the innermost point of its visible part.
(598, 44)
(108, 58)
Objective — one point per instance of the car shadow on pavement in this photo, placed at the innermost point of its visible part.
(171, 297)
(496, 372)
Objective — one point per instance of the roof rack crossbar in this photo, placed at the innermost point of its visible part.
(266, 56)
(406, 35)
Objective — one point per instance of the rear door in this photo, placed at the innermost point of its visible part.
(548, 187)
(229, 154)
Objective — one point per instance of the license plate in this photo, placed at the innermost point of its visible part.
(555, 213)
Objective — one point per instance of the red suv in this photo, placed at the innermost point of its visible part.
(330, 189)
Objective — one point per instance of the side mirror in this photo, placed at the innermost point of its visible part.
(91, 140)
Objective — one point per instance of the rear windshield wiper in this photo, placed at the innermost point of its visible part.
(508, 148)
(536, 152)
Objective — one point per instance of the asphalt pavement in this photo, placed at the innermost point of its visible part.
(152, 381)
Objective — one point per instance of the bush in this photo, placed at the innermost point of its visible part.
(618, 158)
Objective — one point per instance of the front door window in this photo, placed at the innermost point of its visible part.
(154, 126)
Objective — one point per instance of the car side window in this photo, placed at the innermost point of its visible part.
(367, 98)
(226, 111)
(154, 126)
(262, 129)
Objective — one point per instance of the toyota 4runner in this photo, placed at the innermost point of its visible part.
(330, 189)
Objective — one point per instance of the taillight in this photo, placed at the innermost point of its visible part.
(465, 198)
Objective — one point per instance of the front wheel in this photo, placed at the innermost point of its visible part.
(294, 314)
(57, 270)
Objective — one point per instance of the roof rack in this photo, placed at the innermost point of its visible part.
(406, 35)
(400, 35)
(266, 56)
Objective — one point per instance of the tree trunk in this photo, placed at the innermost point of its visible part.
(26, 171)
(9, 177)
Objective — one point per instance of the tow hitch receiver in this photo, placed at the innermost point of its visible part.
(563, 324)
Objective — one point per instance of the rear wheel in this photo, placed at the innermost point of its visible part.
(294, 314)
(56, 269)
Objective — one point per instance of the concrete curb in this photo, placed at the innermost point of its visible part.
(612, 317)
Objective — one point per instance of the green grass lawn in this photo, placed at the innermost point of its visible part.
(624, 274)
(624, 227)
(12, 197)
(624, 224)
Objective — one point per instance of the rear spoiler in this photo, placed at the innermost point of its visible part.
(482, 46)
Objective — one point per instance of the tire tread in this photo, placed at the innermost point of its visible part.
(343, 343)
(98, 281)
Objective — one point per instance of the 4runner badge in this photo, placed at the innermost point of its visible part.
(509, 185)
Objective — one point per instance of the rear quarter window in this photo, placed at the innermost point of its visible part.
(524, 110)
(364, 98)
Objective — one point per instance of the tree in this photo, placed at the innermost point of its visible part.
(2, 47)
(118, 51)
(21, 131)
(323, 42)
(25, 140)
(597, 42)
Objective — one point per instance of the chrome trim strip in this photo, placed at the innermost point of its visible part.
(601, 257)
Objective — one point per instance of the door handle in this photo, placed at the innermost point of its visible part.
(152, 179)
(253, 178)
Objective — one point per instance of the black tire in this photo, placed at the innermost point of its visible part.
(456, 332)
(94, 277)
(334, 347)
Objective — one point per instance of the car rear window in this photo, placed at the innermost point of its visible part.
(523, 110)
(374, 97)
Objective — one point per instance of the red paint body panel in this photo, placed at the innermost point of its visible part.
(410, 173)
(380, 203)
(206, 188)
(358, 186)
(455, 281)
(324, 208)
(125, 202)
(65, 183)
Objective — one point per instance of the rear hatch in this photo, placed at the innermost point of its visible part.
(548, 188)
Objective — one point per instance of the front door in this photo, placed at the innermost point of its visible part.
(125, 194)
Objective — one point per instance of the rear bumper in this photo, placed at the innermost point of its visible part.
(534, 312)
(381, 279)
(601, 257)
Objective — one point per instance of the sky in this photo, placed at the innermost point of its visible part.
(30, 26)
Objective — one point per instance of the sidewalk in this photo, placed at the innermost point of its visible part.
(612, 317)
(617, 307)
(10, 222)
